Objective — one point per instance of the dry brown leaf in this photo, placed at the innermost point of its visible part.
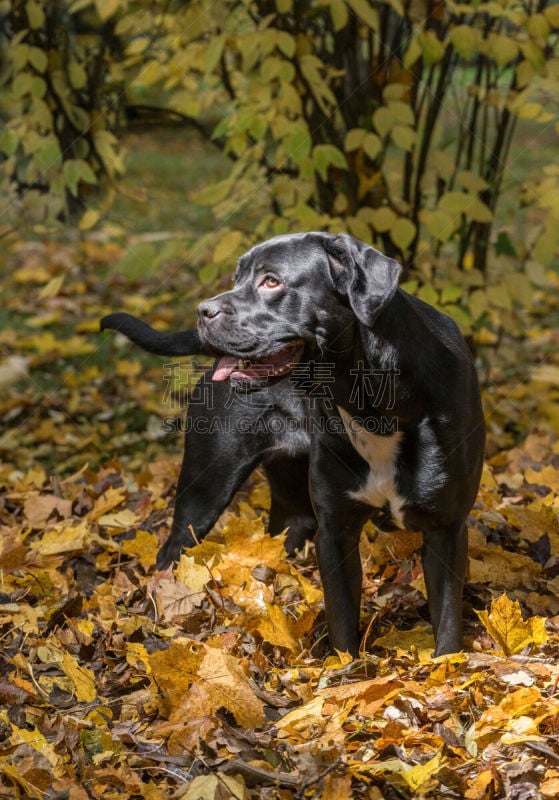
(39, 508)
(175, 599)
(216, 787)
(336, 787)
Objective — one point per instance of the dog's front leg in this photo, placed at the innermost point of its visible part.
(444, 557)
(340, 520)
(218, 457)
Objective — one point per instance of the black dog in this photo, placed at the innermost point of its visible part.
(365, 389)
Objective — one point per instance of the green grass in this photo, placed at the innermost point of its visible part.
(164, 168)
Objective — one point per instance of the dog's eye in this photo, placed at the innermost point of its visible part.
(270, 282)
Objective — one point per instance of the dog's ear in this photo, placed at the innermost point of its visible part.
(366, 277)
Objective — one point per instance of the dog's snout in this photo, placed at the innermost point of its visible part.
(213, 308)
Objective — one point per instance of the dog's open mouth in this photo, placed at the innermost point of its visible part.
(271, 366)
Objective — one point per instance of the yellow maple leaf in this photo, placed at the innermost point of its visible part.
(277, 629)
(176, 668)
(193, 575)
(546, 476)
(63, 538)
(524, 702)
(508, 630)
(489, 563)
(418, 775)
(479, 784)
(138, 656)
(249, 544)
(37, 740)
(311, 593)
(260, 496)
(144, 545)
(220, 674)
(83, 678)
(338, 661)
(22, 615)
(304, 722)
(111, 498)
(228, 686)
(420, 637)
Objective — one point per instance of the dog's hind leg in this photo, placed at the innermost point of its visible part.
(444, 557)
(291, 505)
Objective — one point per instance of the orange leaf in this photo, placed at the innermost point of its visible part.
(223, 680)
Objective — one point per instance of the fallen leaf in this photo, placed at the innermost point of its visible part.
(110, 499)
(119, 519)
(477, 790)
(419, 775)
(336, 787)
(305, 722)
(144, 545)
(523, 702)
(82, 677)
(175, 599)
(278, 629)
(216, 787)
(228, 686)
(192, 574)
(419, 638)
(39, 508)
(219, 673)
(65, 537)
(509, 631)
(13, 369)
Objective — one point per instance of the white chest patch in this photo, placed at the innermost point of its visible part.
(380, 453)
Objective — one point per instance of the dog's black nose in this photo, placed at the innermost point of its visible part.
(209, 309)
(212, 308)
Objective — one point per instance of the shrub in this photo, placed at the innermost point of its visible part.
(393, 120)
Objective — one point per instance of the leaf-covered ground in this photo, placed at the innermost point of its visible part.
(212, 681)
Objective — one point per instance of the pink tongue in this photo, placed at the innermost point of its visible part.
(225, 367)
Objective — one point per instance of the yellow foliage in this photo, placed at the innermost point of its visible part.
(504, 623)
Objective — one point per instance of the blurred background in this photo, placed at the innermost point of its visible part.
(145, 145)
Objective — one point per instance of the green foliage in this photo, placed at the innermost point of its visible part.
(59, 79)
(393, 121)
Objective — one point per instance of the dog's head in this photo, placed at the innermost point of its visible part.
(295, 295)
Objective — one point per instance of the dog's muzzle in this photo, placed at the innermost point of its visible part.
(273, 365)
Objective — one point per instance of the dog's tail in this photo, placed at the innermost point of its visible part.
(162, 343)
